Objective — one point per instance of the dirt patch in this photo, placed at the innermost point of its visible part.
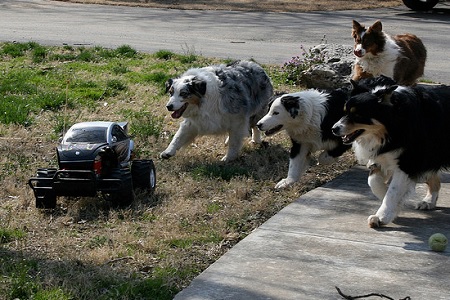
(251, 5)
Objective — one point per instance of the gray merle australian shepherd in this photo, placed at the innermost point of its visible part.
(219, 99)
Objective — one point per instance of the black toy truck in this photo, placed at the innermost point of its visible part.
(94, 158)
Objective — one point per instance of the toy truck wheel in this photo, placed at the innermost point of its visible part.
(125, 195)
(45, 198)
(144, 175)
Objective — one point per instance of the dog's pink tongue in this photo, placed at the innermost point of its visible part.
(176, 114)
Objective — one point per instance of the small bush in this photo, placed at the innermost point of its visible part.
(297, 64)
(126, 51)
(164, 54)
(39, 54)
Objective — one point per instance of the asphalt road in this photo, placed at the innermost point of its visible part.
(265, 37)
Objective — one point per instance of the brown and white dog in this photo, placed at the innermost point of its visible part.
(401, 57)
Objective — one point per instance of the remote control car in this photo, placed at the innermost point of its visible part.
(94, 158)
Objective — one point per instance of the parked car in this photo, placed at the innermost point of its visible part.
(94, 158)
(420, 4)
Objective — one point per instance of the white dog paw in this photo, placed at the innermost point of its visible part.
(256, 141)
(284, 183)
(424, 205)
(228, 158)
(326, 159)
(374, 221)
(165, 155)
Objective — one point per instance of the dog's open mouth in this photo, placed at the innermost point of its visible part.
(358, 53)
(179, 112)
(350, 138)
(273, 130)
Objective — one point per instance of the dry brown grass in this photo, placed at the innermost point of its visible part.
(192, 219)
(252, 5)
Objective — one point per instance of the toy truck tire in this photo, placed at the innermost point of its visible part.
(125, 195)
(144, 175)
(44, 194)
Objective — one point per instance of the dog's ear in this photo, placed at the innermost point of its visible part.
(197, 87)
(357, 87)
(275, 96)
(291, 104)
(356, 25)
(356, 28)
(376, 27)
(384, 95)
(168, 84)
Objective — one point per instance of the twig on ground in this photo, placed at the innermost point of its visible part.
(368, 295)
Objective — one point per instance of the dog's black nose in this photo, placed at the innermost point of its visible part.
(335, 130)
(169, 107)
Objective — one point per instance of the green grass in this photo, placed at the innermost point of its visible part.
(161, 242)
(9, 235)
(36, 78)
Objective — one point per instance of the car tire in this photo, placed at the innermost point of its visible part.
(420, 5)
(144, 175)
(125, 195)
(45, 198)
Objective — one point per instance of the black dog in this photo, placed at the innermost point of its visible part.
(403, 132)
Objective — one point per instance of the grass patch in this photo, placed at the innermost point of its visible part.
(9, 235)
(84, 249)
(214, 170)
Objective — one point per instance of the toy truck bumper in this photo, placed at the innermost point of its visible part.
(76, 183)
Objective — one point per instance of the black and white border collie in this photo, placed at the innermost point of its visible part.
(401, 57)
(219, 99)
(307, 118)
(403, 134)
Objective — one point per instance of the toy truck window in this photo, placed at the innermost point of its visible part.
(92, 135)
(118, 133)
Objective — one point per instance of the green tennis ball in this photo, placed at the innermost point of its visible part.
(437, 242)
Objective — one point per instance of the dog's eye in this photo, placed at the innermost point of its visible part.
(275, 113)
(184, 94)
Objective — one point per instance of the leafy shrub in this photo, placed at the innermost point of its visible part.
(297, 64)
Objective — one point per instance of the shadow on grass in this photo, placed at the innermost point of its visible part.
(26, 275)
(267, 162)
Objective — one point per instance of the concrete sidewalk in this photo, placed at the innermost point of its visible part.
(322, 241)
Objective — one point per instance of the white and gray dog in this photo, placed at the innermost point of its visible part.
(219, 99)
